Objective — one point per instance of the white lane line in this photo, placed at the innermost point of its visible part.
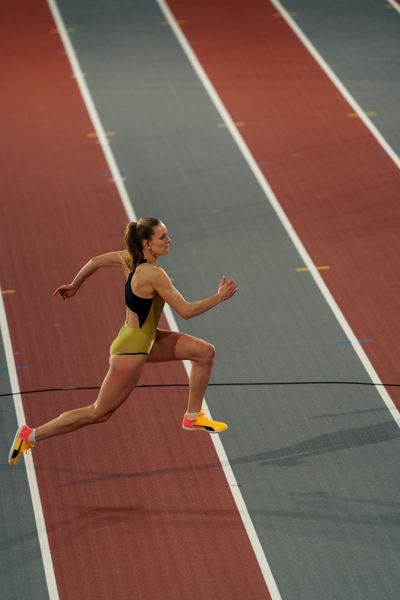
(271, 197)
(235, 491)
(337, 83)
(98, 127)
(97, 124)
(30, 469)
(259, 552)
(395, 5)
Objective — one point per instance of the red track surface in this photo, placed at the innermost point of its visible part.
(335, 183)
(135, 508)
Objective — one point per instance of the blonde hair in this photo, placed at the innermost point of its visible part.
(135, 234)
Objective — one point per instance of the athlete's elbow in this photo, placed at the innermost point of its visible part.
(94, 263)
(186, 313)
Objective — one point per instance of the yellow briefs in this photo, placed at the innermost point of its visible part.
(139, 340)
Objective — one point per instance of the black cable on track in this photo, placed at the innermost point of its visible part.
(222, 384)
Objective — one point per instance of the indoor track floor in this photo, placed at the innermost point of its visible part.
(266, 136)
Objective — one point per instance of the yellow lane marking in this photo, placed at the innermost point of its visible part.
(305, 269)
(93, 134)
(354, 115)
(237, 123)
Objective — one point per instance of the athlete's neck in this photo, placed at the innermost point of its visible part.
(150, 258)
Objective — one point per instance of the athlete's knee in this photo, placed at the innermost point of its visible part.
(102, 418)
(99, 416)
(207, 354)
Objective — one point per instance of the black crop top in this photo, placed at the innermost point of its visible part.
(138, 305)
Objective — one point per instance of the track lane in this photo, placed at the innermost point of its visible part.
(337, 187)
(121, 502)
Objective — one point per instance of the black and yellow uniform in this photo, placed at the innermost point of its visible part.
(138, 340)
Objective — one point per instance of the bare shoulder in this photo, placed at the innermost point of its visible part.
(153, 275)
(152, 271)
(160, 274)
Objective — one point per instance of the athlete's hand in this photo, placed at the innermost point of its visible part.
(66, 291)
(227, 288)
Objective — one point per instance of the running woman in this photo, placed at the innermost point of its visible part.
(147, 288)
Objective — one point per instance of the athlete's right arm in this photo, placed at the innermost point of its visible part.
(110, 259)
(163, 285)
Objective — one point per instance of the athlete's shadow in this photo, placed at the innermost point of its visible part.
(286, 456)
(325, 443)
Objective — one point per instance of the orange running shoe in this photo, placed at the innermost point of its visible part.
(20, 444)
(203, 423)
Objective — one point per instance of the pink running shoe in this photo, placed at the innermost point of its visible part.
(203, 423)
(20, 444)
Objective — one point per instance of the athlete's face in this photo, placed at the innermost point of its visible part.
(160, 241)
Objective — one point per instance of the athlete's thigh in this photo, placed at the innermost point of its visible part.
(175, 345)
(121, 378)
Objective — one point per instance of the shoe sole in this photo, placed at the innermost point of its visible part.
(10, 462)
(204, 429)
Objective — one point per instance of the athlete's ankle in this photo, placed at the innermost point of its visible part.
(191, 415)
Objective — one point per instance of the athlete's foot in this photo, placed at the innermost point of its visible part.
(203, 423)
(20, 444)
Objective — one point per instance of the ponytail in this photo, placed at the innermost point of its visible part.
(135, 234)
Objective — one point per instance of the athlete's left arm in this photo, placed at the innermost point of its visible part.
(110, 259)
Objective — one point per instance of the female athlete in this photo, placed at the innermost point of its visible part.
(139, 340)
